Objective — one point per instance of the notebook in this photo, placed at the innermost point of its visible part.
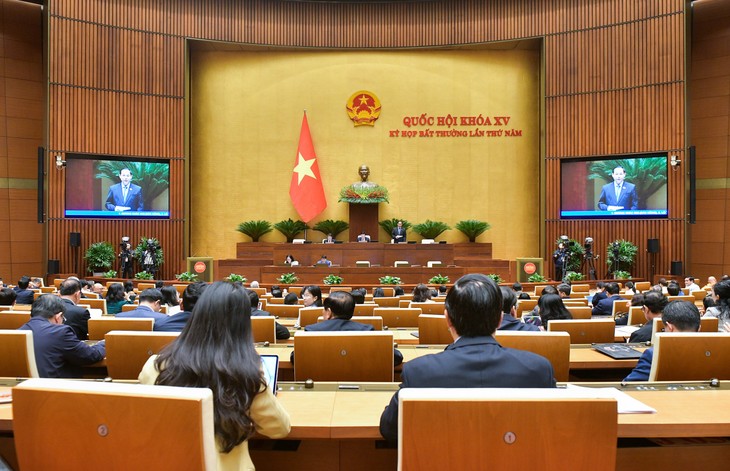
(270, 364)
(617, 351)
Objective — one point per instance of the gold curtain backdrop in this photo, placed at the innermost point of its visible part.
(245, 116)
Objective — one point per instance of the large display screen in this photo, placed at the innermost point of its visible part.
(614, 187)
(117, 187)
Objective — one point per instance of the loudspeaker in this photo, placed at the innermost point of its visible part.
(676, 268)
(692, 186)
(54, 266)
(652, 245)
(74, 239)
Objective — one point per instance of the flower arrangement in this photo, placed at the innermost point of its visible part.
(364, 194)
(332, 280)
(287, 278)
(389, 280)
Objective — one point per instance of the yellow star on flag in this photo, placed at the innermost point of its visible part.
(304, 168)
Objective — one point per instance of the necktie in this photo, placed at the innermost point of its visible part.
(618, 192)
(124, 193)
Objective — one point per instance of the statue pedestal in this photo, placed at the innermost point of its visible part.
(364, 217)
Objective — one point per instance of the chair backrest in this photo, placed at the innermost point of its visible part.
(346, 289)
(708, 325)
(642, 286)
(98, 327)
(344, 356)
(525, 305)
(48, 289)
(580, 288)
(129, 307)
(375, 321)
(619, 305)
(397, 317)
(429, 308)
(263, 328)
(390, 301)
(636, 316)
(585, 331)
(387, 291)
(309, 315)
(689, 356)
(127, 352)
(555, 346)
(95, 304)
(433, 330)
(687, 297)
(180, 287)
(699, 295)
(46, 412)
(296, 290)
(141, 286)
(259, 291)
(276, 301)
(579, 312)
(13, 320)
(364, 309)
(283, 310)
(491, 426)
(538, 290)
(17, 355)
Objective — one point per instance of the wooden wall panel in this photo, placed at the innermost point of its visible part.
(614, 80)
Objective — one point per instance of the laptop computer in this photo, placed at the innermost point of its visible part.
(617, 351)
(270, 365)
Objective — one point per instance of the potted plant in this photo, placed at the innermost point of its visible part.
(187, 276)
(621, 275)
(290, 229)
(574, 276)
(439, 280)
(389, 280)
(620, 256)
(389, 224)
(536, 278)
(287, 278)
(472, 228)
(329, 226)
(139, 251)
(234, 278)
(332, 280)
(497, 279)
(143, 275)
(430, 229)
(110, 274)
(99, 257)
(255, 229)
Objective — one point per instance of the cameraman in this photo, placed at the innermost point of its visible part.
(125, 258)
(560, 257)
(149, 260)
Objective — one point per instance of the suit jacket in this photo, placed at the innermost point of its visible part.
(134, 197)
(174, 323)
(363, 238)
(643, 367)
(512, 323)
(338, 324)
(605, 306)
(58, 352)
(627, 198)
(77, 318)
(282, 333)
(144, 312)
(470, 362)
(398, 231)
(23, 296)
(598, 297)
(643, 334)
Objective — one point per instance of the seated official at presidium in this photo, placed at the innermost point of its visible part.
(475, 359)
(124, 196)
(619, 194)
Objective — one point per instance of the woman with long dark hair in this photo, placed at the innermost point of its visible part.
(721, 295)
(115, 298)
(421, 294)
(215, 350)
(551, 307)
(312, 296)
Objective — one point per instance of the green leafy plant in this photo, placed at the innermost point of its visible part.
(576, 251)
(290, 229)
(328, 226)
(186, 276)
(143, 275)
(287, 278)
(647, 174)
(574, 276)
(110, 274)
(233, 278)
(536, 278)
(332, 280)
(439, 280)
(497, 279)
(154, 178)
(255, 229)
(356, 193)
(621, 275)
(626, 252)
(140, 249)
(389, 280)
(431, 229)
(472, 228)
(389, 224)
(99, 256)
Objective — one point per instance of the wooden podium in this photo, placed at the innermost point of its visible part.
(364, 217)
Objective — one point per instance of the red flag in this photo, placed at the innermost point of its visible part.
(306, 190)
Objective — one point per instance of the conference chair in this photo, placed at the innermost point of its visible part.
(48, 289)
(127, 352)
(390, 301)
(525, 305)
(99, 327)
(699, 296)
(585, 331)
(404, 303)
(636, 316)
(57, 282)
(619, 305)
(309, 315)
(433, 330)
(264, 329)
(687, 297)
(555, 346)
(180, 288)
(690, 356)
(6, 308)
(259, 291)
(388, 291)
(708, 325)
(579, 312)
(296, 290)
(346, 289)
(262, 302)
(109, 283)
(397, 317)
(141, 286)
(130, 307)
(575, 301)
(12, 320)
(538, 289)
(350, 356)
(112, 426)
(17, 355)
(580, 288)
(429, 308)
(364, 309)
(375, 321)
(96, 304)
(283, 310)
(506, 429)
(90, 296)
(642, 286)
(276, 301)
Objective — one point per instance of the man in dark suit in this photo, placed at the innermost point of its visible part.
(176, 322)
(150, 301)
(7, 297)
(654, 304)
(125, 196)
(339, 308)
(509, 309)
(605, 306)
(398, 234)
(475, 359)
(282, 333)
(75, 316)
(23, 295)
(58, 352)
(619, 194)
(600, 293)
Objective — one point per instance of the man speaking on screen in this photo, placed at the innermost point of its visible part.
(619, 194)
(124, 196)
